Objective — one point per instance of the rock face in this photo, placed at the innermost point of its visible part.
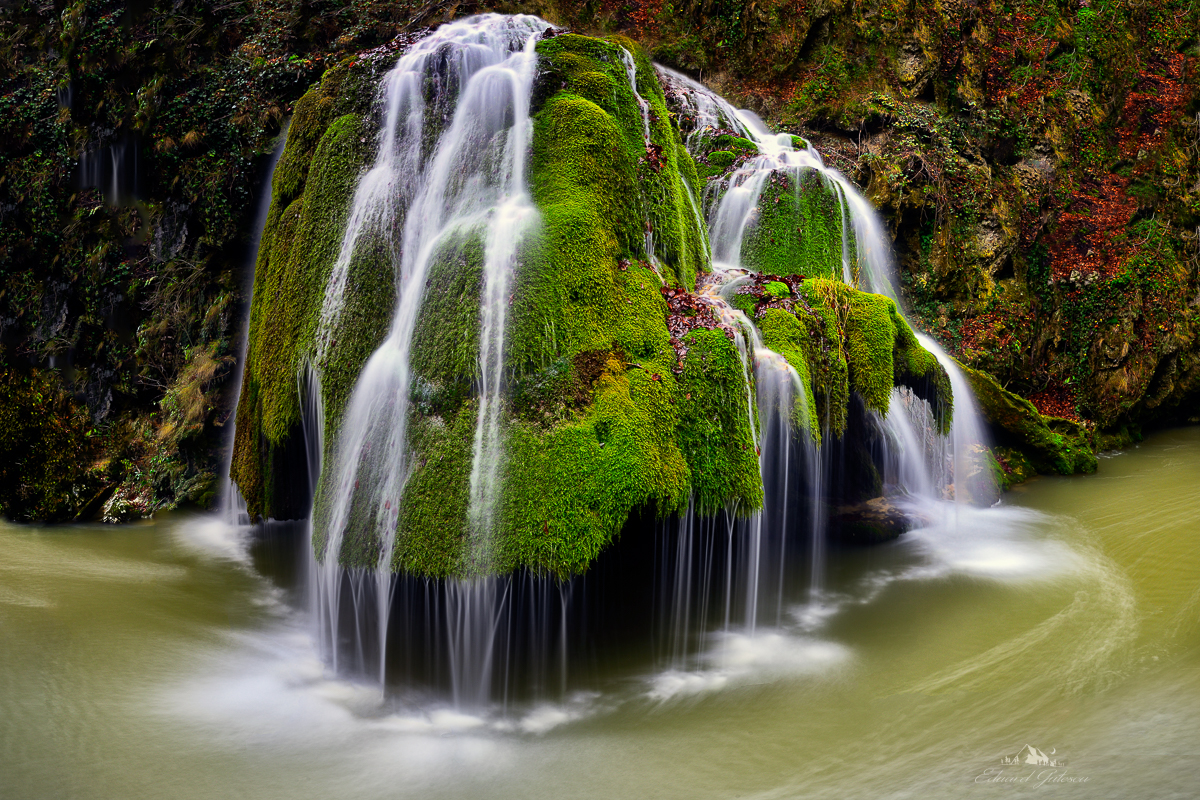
(625, 390)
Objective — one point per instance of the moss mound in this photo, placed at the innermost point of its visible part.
(615, 405)
(798, 230)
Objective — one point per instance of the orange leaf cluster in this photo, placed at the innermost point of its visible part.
(1056, 401)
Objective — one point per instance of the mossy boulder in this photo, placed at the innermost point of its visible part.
(798, 229)
(879, 349)
(327, 149)
(1027, 439)
(1043, 206)
(610, 411)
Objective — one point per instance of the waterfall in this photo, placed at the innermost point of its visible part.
(627, 61)
(918, 463)
(230, 505)
(450, 168)
(113, 169)
(643, 106)
(471, 183)
(772, 389)
(776, 385)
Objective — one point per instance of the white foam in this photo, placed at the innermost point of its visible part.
(737, 659)
(547, 716)
(212, 537)
(1001, 543)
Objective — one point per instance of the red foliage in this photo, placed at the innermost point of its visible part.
(1015, 40)
(995, 330)
(685, 313)
(1056, 401)
(1091, 228)
(1153, 106)
(1090, 234)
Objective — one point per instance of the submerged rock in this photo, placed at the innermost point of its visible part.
(871, 521)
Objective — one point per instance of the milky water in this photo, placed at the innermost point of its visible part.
(471, 184)
(923, 468)
(955, 470)
(229, 500)
(175, 658)
(439, 188)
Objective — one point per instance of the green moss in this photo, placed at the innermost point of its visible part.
(595, 86)
(825, 353)
(798, 230)
(310, 118)
(721, 159)
(718, 153)
(592, 183)
(432, 525)
(569, 490)
(727, 141)
(744, 302)
(585, 449)
(566, 296)
(445, 345)
(714, 425)
(777, 289)
(658, 203)
(299, 245)
(783, 333)
(880, 349)
(870, 334)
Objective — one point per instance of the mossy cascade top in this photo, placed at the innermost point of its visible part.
(608, 408)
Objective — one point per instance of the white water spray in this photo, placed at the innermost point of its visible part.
(471, 185)
(230, 504)
(922, 463)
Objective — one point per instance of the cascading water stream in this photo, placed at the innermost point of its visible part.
(773, 388)
(230, 504)
(733, 212)
(472, 184)
(926, 470)
(872, 267)
(630, 65)
(431, 189)
(643, 106)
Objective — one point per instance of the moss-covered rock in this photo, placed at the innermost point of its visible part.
(615, 405)
(787, 335)
(1035, 163)
(798, 229)
(299, 245)
(879, 348)
(1029, 441)
(715, 421)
